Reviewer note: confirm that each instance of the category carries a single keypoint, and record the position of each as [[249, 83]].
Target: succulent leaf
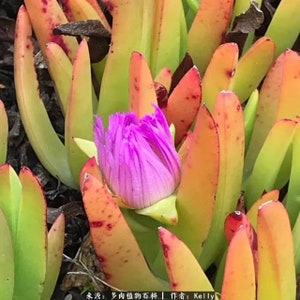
[[239, 275], [292, 202], [54, 255], [275, 253], [142, 94], [185, 274], [252, 212], [114, 87], [219, 72], [249, 116], [7, 264], [49, 15], [114, 243], [276, 166], [80, 107], [60, 68], [168, 44], [183, 103], [285, 20], [278, 99], [252, 67], [202, 162], [228, 116], [296, 239], [44, 140], [3, 133], [31, 237], [207, 31]]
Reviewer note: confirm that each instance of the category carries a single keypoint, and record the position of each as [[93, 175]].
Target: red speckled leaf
[[116, 247], [185, 273], [208, 30], [228, 115], [184, 103], [44, 16], [142, 94], [199, 177], [252, 68], [219, 73], [279, 98]]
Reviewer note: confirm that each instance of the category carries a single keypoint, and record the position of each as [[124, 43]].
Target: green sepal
[[163, 211]]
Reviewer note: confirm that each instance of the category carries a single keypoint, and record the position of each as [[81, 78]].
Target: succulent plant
[[30, 256], [234, 116]]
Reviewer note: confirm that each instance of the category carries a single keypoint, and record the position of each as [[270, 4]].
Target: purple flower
[[137, 157]]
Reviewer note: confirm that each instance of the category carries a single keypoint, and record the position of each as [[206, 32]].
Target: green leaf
[[79, 117], [114, 94], [273, 162], [285, 26], [249, 116], [88, 147], [54, 256], [3, 133], [296, 238], [252, 68], [60, 68], [10, 197], [44, 140], [292, 202], [168, 43], [30, 240], [6, 260]]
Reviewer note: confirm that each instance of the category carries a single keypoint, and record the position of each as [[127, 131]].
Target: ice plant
[[216, 165], [137, 157], [30, 255]]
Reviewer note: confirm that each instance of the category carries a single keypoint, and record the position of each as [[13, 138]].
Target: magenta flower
[[137, 157]]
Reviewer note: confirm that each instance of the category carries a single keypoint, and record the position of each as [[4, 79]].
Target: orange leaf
[[199, 177], [142, 94], [207, 31], [275, 253], [184, 103], [219, 73], [114, 243], [185, 273], [239, 275]]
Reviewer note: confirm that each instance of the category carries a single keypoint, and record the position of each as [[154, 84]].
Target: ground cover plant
[[179, 127]]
